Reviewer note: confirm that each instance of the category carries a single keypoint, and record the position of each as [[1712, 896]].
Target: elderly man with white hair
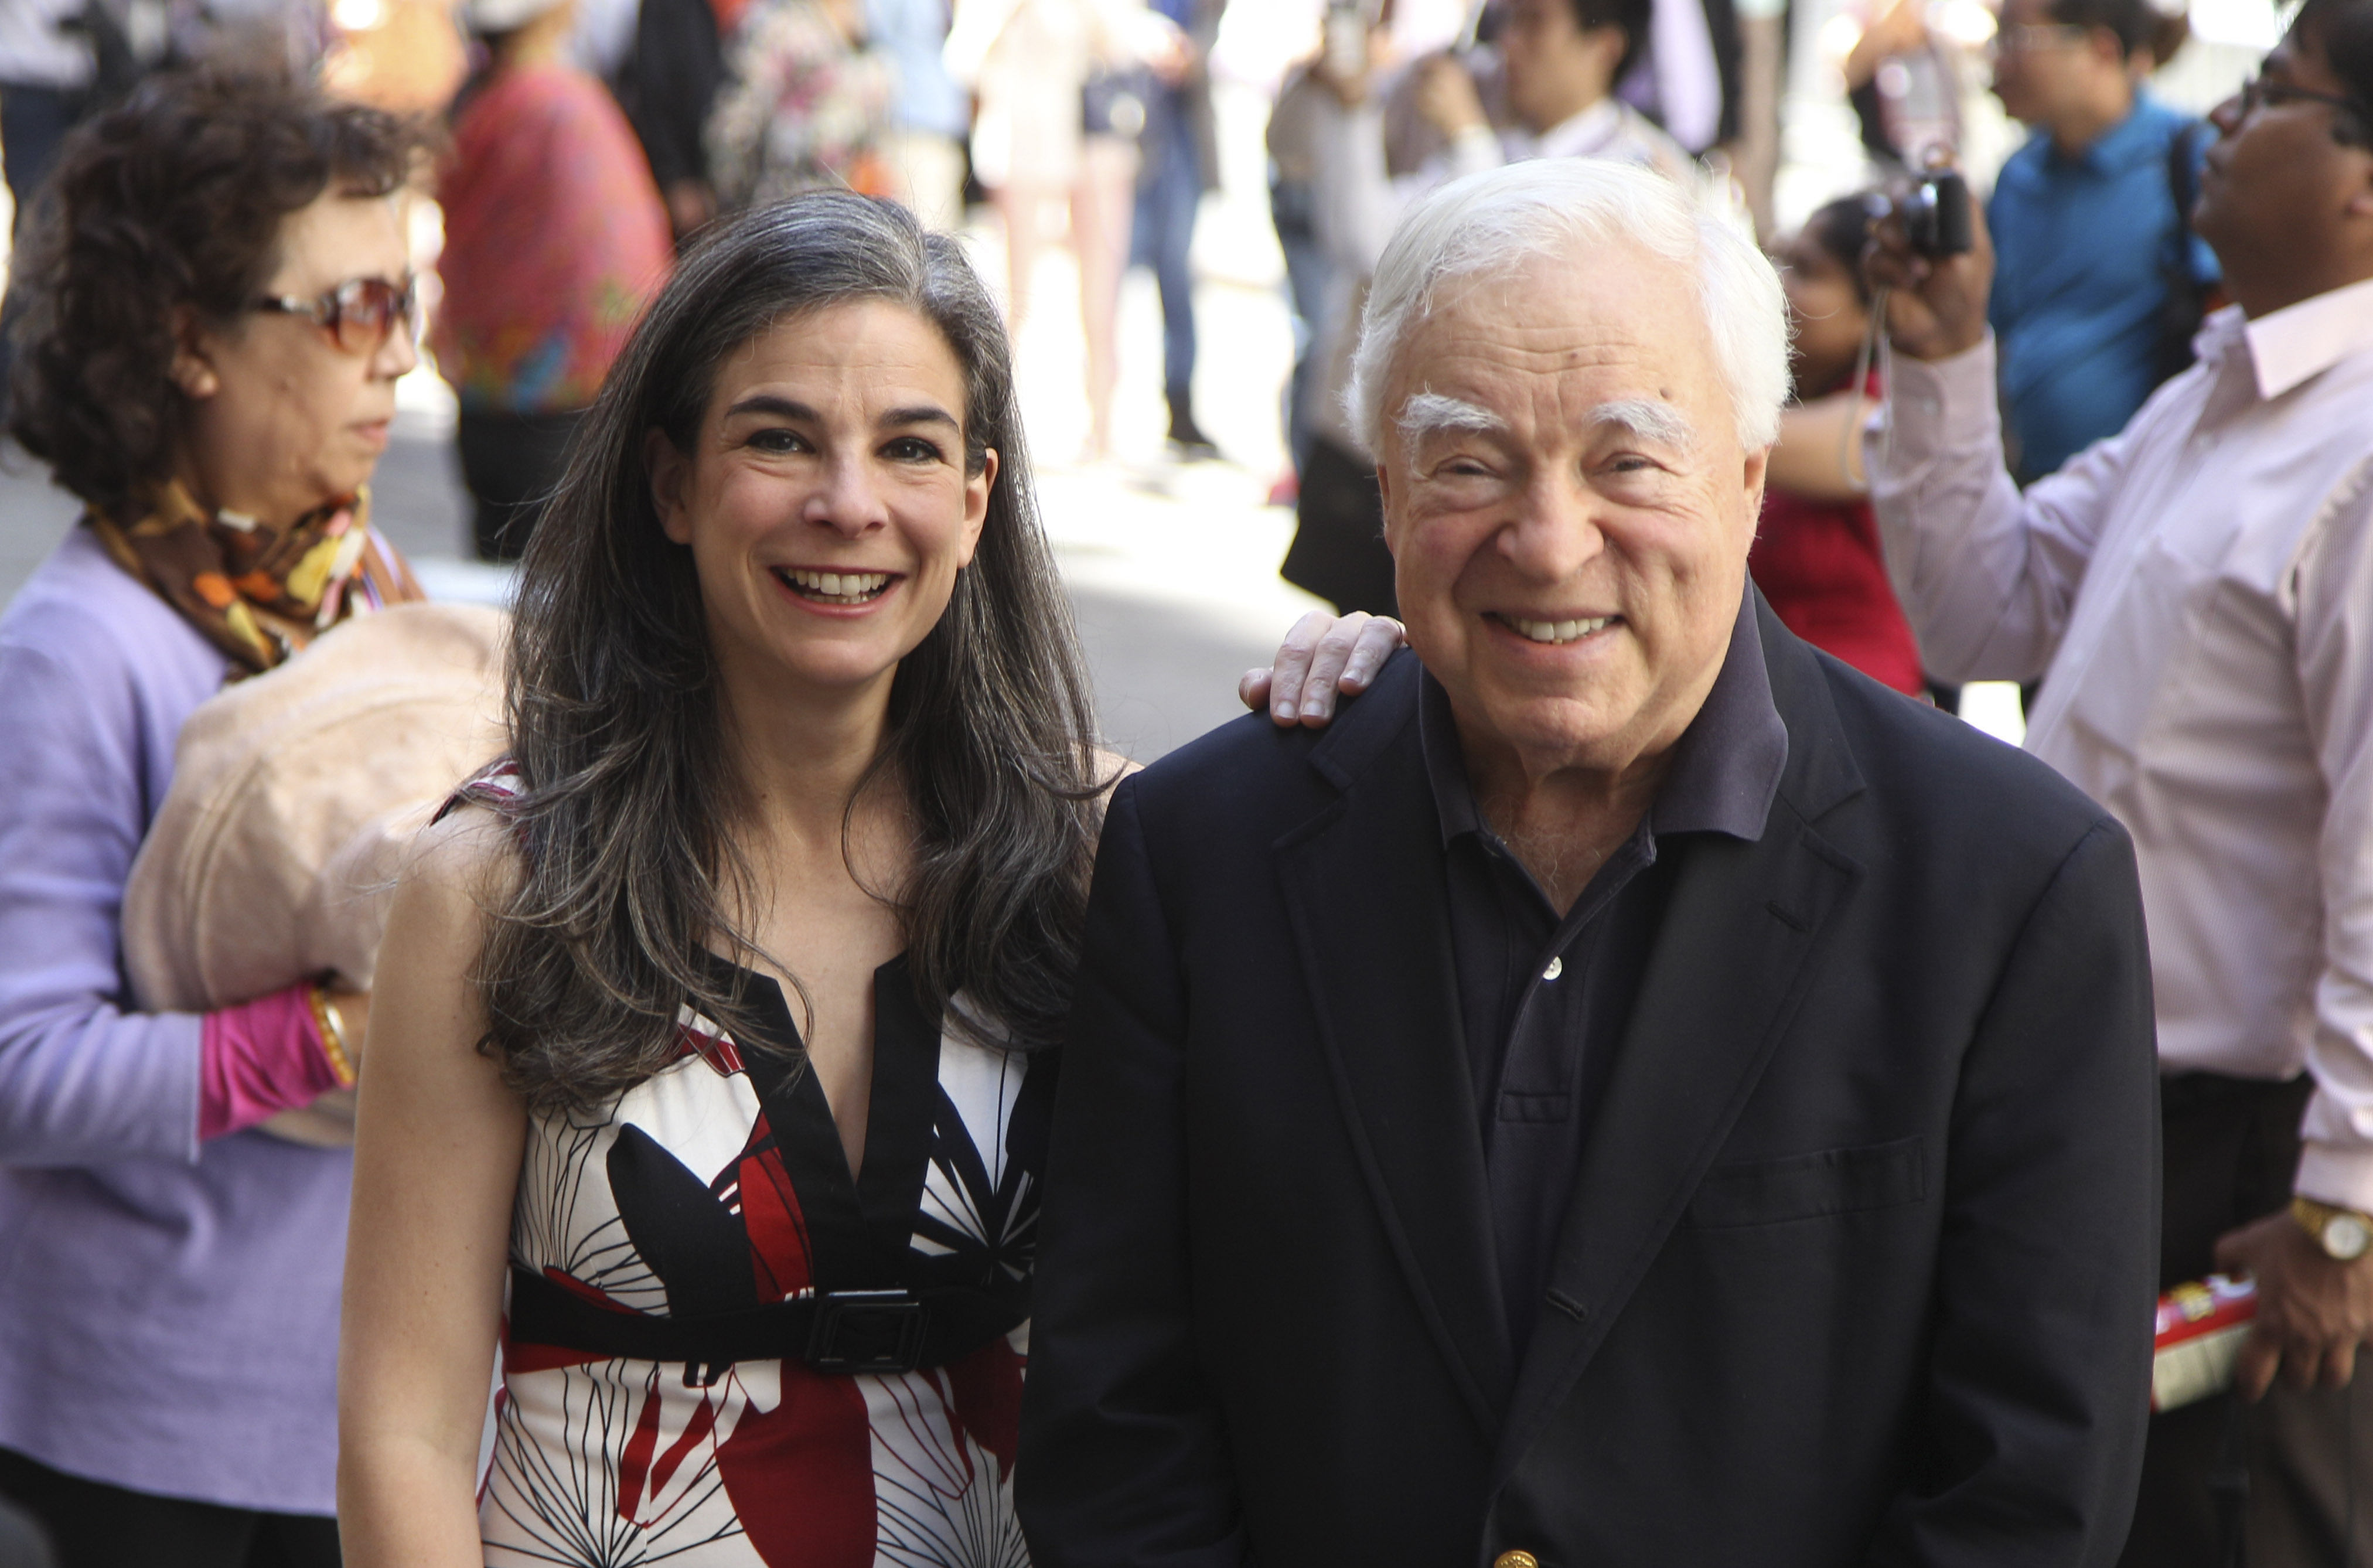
[[1634, 1089]]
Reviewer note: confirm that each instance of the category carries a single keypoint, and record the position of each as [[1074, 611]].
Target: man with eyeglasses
[[2197, 593], [2098, 279]]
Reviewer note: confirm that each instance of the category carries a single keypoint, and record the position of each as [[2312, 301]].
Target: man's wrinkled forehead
[[1585, 296], [1605, 343]]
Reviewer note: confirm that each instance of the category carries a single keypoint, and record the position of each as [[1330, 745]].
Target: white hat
[[503, 16], [294, 795]]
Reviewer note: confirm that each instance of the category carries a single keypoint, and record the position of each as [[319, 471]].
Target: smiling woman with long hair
[[711, 1072]]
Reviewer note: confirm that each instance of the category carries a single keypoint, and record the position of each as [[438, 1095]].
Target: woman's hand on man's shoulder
[[1323, 658]]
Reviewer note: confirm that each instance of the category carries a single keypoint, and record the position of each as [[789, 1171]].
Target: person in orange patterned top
[[555, 237]]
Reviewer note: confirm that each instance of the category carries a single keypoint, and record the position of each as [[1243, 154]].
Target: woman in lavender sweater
[[219, 308]]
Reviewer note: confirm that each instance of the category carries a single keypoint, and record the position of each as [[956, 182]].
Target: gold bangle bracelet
[[331, 1024]]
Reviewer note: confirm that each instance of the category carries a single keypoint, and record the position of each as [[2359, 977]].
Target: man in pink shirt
[[2196, 595]]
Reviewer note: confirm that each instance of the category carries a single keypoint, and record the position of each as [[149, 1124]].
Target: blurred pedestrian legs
[[46, 71], [1179, 152], [929, 116], [554, 235]]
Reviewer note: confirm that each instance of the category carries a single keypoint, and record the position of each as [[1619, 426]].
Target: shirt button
[[1515, 1560], [1557, 967]]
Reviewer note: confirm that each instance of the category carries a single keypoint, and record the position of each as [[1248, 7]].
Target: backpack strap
[[2185, 299]]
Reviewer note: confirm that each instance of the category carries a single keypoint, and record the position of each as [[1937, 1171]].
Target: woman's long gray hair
[[632, 879]]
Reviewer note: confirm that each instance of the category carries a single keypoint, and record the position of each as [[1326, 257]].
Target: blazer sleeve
[[2039, 1383], [1123, 1458]]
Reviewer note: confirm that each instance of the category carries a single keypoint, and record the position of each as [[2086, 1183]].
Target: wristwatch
[[2344, 1234]]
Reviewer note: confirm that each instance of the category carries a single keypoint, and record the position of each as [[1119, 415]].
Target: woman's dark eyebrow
[[766, 402], [785, 408]]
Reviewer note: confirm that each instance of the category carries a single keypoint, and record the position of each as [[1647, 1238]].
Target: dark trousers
[[1169, 192], [1338, 538], [34, 121], [23, 1543], [33, 125], [1292, 208], [512, 463], [2292, 1475], [92, 1525]]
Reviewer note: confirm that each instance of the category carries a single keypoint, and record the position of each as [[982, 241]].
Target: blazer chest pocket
[[1808, 1186]]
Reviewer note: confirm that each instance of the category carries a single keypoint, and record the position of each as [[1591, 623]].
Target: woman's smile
[[841, 590]]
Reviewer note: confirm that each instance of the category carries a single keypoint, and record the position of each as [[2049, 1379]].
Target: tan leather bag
[[295, 797]]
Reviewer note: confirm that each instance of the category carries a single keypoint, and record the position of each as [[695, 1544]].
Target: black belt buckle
[[866, 1332]]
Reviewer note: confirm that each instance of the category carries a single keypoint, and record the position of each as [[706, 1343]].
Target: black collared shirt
[[1544, 998]]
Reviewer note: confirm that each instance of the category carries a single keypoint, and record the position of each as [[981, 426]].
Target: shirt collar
[[1580, 135], [2300, 342], [1725, 768], [2130, 141]]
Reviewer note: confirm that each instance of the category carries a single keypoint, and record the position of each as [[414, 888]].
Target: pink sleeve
[[260, 1058]]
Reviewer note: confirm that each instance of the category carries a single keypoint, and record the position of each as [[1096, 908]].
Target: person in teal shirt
[[2099, 276]]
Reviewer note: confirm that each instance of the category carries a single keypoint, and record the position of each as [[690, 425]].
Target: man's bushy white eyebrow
[[1427, 412], [1651, 421]]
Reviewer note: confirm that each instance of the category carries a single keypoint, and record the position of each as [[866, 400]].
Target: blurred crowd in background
[[586, 141], [563, 156]]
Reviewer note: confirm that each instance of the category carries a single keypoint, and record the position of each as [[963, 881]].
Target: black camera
[[1935, 215]]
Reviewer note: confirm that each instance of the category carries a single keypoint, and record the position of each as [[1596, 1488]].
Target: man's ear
[[2360, 201], [192, 368], [1610, 42], [671, 472], [1385, 498]]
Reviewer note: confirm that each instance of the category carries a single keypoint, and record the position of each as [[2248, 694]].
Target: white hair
[[1495, 221]]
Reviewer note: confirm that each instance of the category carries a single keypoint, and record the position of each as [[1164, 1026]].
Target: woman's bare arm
[[1820, 454], [436, 1155]]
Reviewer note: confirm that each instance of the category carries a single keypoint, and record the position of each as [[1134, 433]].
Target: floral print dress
[[718, 1186]]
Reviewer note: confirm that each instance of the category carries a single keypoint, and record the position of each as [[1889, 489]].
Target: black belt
[[845, 1331], [2183, 1093]]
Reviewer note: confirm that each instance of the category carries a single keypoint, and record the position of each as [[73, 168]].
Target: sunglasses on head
[[359, 314]]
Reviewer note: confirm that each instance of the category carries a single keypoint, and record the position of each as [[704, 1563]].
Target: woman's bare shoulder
[[468, 857]]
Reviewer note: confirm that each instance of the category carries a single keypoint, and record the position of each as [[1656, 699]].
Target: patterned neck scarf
[[257, 592]]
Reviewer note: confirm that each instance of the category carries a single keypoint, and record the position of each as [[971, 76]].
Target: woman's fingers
[[1324, 657], [1292, 667], [1327, 663], [1378, 639]]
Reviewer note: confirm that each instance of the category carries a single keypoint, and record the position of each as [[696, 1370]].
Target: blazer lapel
[[1755, 915], [1363, 885]]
